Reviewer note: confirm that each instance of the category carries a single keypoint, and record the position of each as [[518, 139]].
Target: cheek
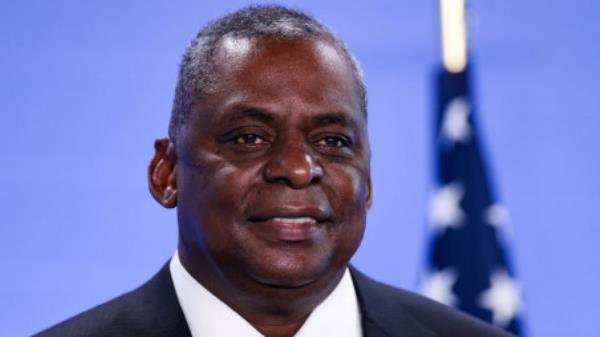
[[349, 186], [231, 186], [213, 196], [348, 192]]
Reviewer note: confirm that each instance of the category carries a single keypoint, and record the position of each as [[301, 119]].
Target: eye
[[249, 139], [332, 141]]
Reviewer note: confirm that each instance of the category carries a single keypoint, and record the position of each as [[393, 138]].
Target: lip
[[319, 213], [290, 223]]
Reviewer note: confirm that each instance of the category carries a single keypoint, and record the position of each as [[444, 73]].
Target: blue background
[[87, 86]]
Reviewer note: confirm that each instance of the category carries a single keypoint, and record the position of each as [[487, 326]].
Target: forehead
[[242, 50], [311, 70]]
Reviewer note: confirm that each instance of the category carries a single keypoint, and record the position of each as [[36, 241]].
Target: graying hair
[[197, 77]]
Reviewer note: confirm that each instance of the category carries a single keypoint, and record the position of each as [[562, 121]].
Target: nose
[[293, 166]]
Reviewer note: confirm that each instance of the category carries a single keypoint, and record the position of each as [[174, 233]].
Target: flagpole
[[454, 35]]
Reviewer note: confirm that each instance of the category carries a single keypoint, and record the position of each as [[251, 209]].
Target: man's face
[[273, 179]]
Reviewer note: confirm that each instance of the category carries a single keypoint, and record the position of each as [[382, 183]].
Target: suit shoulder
[[150, 310], [106, 319], [388, 303]]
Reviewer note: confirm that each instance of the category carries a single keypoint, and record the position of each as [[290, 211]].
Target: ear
[[162, 173], [369, 193]]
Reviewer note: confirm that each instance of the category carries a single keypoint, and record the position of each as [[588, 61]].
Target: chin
[[292, 272]]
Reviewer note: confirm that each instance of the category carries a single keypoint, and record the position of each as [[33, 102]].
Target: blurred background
[[86, 87]]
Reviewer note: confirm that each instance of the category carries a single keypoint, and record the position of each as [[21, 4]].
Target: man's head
[[268, 162]]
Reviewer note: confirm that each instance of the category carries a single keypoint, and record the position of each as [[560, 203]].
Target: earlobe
[[169, 198], [162, 173]]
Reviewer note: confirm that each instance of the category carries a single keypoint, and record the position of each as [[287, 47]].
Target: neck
[[273, 311], [281, 330]]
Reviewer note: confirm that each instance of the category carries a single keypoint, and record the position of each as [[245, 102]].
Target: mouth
[[290, 224]]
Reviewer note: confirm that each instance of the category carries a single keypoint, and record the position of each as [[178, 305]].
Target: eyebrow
[[324, 119], [333, 118], [255, 113]]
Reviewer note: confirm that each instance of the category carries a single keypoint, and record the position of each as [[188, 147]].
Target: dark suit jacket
[[153, 310]]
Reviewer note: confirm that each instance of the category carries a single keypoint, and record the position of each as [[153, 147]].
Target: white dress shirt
[[208, 316]]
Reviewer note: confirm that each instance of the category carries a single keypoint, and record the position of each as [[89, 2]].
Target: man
[[267, 162]]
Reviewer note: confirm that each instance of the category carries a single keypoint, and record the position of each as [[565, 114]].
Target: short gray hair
[[196, 71]]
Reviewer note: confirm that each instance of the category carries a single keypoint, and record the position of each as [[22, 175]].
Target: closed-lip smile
[[290, 224]]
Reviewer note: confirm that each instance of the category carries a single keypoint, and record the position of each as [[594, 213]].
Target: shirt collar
[[208, 316]]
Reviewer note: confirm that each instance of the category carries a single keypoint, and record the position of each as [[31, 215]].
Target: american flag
[[468, 265]]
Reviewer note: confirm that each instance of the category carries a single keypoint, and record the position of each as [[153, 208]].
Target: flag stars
[[455, 125], [496, 215], [444, 208], [503, 298], [438, 286]]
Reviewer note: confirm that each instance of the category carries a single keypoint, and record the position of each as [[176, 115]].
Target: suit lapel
[[382, 314], [162, 310]]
